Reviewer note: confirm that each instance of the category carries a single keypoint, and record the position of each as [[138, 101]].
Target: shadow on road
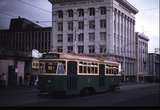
[[62, 96]]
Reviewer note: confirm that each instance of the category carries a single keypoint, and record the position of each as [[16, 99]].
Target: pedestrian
[[0, 80], [31, 81], [36, 82], [28, 77], [20, 80], [4, 80]]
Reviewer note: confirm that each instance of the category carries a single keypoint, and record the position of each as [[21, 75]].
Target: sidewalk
[[17, 90], [135, 83], [138, 85]]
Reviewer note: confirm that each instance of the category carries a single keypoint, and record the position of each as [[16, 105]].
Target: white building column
[[54, 30], [97, 30], [65, 30], [110, 31], [86, 28]]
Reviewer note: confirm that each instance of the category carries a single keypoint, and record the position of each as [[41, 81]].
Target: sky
[[147, 20]]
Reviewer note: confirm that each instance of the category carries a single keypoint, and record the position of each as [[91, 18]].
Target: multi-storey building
[[157, 50], [24, 36], [153, 66], [16, 45], [96, 27], [142, 52]]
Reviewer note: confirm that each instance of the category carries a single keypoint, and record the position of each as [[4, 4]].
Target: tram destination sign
[[50, 56]]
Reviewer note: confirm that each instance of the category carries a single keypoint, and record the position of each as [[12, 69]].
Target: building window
[[60, 26], [80, 25], [81, 37], [70, 37], [59, 49], [70, 13], [103, 23], [80, 49], [70, 25], [60, 38], [103, 10], [91, 37], [92, 11], [103, 36], [102, 49], [92, 24], [91, 48], [70, 49], [81, 12], [60, 14]]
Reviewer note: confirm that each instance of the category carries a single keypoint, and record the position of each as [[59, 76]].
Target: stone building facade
[[96, 28]]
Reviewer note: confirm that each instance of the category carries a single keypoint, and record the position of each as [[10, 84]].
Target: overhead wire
[[26, 3], [149, 9], [6, 14]]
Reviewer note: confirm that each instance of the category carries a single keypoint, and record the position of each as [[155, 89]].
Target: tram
[[73, 74]]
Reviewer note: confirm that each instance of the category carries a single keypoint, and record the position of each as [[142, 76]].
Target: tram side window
[[89, 69], [107, 70], [92, 70], [96, 70], [80, 69], [116, 71], [85, 69], [110, 71]]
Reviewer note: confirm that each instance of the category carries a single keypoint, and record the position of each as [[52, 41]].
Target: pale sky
[[147, 20]]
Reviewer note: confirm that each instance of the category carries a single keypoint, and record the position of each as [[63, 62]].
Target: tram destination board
[[50, 56]]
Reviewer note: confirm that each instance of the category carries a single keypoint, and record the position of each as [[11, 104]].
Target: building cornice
[[128, 5], [122, 2], [64, 1], [142, 36]]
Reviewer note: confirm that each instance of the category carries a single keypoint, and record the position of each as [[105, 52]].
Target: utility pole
[[124, 62]]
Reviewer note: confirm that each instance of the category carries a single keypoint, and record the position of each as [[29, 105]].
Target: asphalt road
[[128, 95]]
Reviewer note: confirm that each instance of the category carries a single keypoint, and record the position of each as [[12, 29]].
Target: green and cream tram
[[75, 74]]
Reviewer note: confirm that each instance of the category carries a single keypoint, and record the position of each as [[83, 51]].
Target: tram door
[[72, 75], [101, 75]]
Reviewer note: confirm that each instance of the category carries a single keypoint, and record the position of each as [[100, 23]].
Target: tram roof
[[74, 56]]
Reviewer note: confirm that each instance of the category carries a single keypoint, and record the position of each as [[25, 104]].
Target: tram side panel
[[52, 83]]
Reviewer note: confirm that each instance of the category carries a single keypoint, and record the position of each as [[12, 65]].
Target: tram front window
[[51, 67], [55, 67]]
